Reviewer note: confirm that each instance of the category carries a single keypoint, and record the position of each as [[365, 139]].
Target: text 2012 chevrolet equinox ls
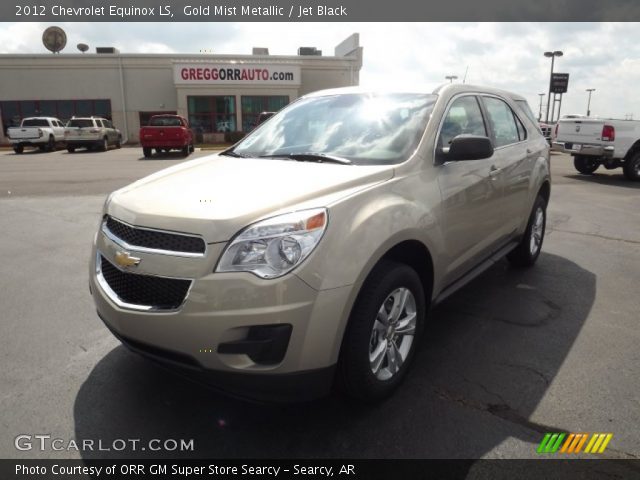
[[310, 252]]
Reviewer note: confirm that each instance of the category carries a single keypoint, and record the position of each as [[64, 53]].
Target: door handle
[[494, 171], [529, 151]]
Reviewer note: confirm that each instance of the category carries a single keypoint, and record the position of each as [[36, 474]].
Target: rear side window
[[107, 124], [80, 123], [524, 106], [502, 121], [464, 117], [35, 122]]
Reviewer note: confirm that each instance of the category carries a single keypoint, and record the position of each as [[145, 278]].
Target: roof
[[452, 88]]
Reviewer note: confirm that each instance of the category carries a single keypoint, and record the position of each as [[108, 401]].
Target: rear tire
[[71, 149], [18, 149], [383, 332], [186, 150], [105, 144], [631, 168], [528, 250], [146, 152], [585, 164], [51, 144]]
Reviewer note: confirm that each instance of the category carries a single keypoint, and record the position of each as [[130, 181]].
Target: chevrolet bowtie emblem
[[125, 260]]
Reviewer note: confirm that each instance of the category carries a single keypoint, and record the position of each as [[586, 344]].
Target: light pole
[[451, 78], [589, 101], [541, 95], [552, 55]]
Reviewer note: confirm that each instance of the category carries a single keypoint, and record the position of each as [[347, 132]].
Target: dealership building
[[217, 93]]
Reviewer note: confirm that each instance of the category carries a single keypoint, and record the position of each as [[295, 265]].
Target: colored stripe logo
[[574, 442]]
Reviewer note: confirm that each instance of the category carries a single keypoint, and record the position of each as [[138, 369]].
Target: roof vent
[[313, 51], [104, 50], [260, 51]]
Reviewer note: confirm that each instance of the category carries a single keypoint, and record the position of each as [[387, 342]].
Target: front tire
[[119, 142], [528, 250], [71, 149], [631, 168], [383, 332], [585, 164]]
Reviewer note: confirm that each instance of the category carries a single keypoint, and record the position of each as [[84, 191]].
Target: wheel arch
[[633, 151], [411, 252]]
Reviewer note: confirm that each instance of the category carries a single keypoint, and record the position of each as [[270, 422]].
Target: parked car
[[41, 132], [166, 133], [92, 133], [310, 252], [595, 141]]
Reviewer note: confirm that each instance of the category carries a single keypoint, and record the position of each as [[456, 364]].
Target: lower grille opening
[[145, 290]]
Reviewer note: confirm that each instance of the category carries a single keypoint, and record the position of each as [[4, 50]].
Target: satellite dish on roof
[[54, 39], [83, 47]]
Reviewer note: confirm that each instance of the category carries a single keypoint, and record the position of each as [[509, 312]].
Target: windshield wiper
[[231, 153], [311, 157]]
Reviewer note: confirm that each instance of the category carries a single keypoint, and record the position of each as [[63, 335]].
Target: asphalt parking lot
[[510, 357]]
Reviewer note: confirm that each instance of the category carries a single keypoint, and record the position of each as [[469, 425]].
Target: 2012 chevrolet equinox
[[310, 252]]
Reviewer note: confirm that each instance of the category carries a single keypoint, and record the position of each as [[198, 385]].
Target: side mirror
[[469, 147]]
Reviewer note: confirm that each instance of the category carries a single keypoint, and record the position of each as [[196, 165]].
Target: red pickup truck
[[165, 133]]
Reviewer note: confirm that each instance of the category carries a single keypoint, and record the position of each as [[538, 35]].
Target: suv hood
[[217, 196]]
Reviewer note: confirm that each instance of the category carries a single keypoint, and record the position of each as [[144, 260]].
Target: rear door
[[471, 193], [513, 159]]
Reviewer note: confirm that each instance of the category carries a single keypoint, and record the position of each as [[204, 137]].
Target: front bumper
[[585, 149], [222, 308]]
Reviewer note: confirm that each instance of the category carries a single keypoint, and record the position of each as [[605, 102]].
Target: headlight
[[275, 246]]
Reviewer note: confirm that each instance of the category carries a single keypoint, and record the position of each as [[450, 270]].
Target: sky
[[604, 56]]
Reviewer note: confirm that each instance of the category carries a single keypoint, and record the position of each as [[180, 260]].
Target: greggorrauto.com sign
[[236, 73]]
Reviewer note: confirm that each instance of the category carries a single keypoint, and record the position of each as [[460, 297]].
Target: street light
[[451, 78], [552, 55], [589, 101], [541, 95]]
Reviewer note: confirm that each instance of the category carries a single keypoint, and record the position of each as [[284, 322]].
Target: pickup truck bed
[[593, 142]]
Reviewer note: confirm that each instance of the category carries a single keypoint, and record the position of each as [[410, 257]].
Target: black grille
[[161, 293], [140, 237]]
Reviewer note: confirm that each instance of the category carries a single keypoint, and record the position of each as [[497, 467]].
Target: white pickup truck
[[595, 141], [41, 132]]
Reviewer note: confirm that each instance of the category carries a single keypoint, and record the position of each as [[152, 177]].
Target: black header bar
[[317, 11]]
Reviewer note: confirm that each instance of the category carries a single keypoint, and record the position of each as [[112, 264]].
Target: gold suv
[[309, 253]]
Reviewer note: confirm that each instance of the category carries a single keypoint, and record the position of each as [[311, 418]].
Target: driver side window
[[464, 117]]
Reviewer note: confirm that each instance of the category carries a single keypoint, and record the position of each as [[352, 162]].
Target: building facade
[[217, 93]]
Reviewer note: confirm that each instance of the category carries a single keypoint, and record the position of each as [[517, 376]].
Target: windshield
[[363, 128]]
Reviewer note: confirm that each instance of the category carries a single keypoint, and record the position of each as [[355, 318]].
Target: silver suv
[[92, 133], [311, 251]]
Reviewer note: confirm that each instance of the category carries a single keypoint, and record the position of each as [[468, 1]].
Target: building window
[[146, 116], [252, 106], [212, 114], [14, 111]]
